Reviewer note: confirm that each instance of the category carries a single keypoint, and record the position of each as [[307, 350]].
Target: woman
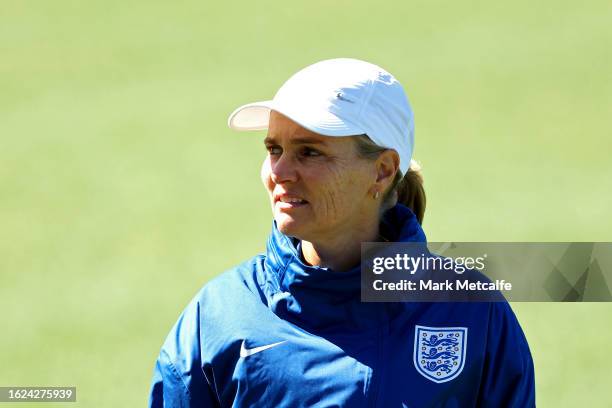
[[287, 328]]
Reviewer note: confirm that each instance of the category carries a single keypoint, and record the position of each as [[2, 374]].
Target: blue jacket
[[274, 332]]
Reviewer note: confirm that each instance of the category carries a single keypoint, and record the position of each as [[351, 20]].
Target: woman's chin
[[289, 225]]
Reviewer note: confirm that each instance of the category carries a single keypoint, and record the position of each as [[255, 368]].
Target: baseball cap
[[340, 97]]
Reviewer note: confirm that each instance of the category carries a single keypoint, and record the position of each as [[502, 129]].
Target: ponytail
[[406, 189], [410, 190]]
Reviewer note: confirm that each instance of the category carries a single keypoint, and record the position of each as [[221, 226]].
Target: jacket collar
[[319, 298]]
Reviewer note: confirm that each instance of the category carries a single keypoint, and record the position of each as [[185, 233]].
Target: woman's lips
[[286, 206], [289, 202]]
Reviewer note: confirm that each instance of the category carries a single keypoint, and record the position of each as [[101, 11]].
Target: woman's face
[[319, 188]]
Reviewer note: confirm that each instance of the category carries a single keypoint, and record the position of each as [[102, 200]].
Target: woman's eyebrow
[[298, 140], [307, 140]]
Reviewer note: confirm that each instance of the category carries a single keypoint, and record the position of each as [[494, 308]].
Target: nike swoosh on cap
[[245, 352]]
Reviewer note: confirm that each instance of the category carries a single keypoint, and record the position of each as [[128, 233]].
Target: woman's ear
[[387, 165]]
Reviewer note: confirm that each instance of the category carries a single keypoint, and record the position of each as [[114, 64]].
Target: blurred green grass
[[122, 191]]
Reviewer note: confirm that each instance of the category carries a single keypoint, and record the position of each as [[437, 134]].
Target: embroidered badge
[[439, 352]]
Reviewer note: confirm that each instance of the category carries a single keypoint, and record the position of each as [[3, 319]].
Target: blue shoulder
[[247, 278], [180, 375]]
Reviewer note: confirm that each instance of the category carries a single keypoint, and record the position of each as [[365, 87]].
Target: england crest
[[439, 352]]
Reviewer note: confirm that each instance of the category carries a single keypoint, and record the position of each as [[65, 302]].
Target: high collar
[[318, 298]]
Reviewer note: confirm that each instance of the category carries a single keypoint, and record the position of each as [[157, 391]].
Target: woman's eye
[[308, 152], [274, 150]]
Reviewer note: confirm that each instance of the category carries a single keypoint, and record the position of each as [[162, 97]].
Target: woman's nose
[[283, 170]]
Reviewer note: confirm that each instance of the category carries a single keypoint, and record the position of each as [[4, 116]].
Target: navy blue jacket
[[274, 332]]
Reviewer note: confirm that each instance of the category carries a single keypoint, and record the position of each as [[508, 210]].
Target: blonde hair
[[405, 189]]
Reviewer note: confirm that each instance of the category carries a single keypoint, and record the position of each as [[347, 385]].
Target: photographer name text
[[447, 285]]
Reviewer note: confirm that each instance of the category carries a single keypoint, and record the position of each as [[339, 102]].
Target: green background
[[122, 191]]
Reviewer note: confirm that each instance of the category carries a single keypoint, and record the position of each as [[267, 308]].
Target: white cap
[[340, 97]]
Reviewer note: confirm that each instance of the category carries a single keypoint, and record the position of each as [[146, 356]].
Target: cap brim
[[255, 116], [252, 116]]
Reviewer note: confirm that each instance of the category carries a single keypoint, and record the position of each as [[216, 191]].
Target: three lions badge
[[439, 352]]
